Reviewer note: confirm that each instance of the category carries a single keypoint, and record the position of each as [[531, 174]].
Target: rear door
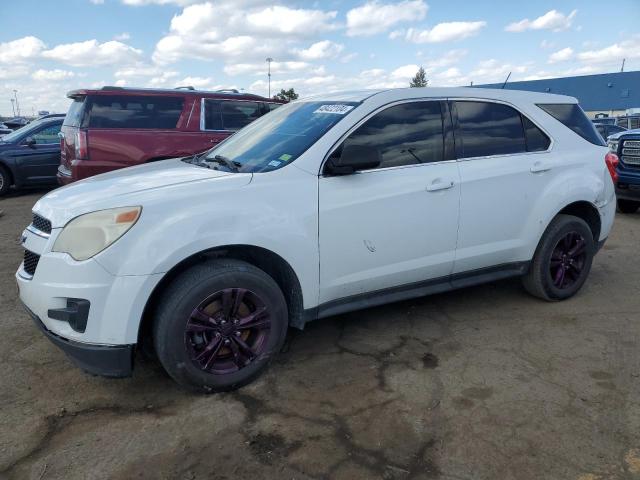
[[504, 164], [396, 224]]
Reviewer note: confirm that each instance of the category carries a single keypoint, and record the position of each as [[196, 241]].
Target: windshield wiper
[[222, 160]]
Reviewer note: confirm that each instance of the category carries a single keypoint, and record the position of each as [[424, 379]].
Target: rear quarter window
[[572, 117], [147, 112], [75, 113]]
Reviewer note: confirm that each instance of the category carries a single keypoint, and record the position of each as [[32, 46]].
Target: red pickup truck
[[115, 127]]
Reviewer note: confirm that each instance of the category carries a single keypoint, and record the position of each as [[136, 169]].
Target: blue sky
[[50, 47]]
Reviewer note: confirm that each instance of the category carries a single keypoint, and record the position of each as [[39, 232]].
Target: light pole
[[13, 106], [269, 60], [15, 95]]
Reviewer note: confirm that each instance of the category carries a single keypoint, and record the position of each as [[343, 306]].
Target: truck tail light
[[612, 161], [82, 145]]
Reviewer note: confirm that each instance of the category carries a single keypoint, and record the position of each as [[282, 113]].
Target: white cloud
[[552, 20], [122, 36], [613, 54], [21, 50], [52, 75], [561, 55], [93, 53], [320, 50], [445, 32], [445, 59], [140, 3], [547, 44], [374, 17], [277, 68], [246, 34], [16, 71], [97, 2]]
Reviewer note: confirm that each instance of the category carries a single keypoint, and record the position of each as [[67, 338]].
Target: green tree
[[420, 80], [286, 95]]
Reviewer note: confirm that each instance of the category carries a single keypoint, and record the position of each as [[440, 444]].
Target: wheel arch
[[271, 263], [588, 212], [4, 164]]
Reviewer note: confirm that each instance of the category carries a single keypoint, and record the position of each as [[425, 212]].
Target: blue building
[[612, 94]]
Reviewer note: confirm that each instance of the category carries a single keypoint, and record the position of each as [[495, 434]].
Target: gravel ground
[[481, 383]]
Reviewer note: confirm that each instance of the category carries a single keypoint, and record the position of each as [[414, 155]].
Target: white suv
[[326, 205]]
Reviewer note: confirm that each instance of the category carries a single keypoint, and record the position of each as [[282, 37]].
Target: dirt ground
[[481, 383]]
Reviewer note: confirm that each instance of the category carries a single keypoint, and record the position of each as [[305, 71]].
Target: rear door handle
[[540, 167], [439, 185]]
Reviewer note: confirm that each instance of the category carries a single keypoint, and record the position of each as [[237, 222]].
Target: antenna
[[622, 68], [506, 80]]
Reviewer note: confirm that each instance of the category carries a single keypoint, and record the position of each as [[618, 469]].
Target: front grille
[[41, 223], [631, 144], [633, 162], [30, 262]]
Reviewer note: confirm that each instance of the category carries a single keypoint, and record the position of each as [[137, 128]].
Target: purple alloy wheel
[[227, 331], [568, 260]]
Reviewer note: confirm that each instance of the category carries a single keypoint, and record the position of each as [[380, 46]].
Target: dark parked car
[[31, 154], [606, 129], [626, 145], [4, 130], [116, 127]]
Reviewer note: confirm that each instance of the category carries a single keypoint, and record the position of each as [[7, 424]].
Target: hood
[[133, 186], [616, 136]]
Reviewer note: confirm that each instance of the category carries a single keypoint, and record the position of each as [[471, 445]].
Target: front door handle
[[437, 185], [540, 167]]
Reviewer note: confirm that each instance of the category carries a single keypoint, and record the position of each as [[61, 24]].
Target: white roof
[[442, 92]]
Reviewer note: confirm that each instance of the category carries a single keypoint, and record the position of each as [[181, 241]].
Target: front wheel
[[219, 324], [562, 260], [628, 206]]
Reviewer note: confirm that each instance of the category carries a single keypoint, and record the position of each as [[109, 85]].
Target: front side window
[[47, 135], [405, 134], [489, 129], [133, 111]]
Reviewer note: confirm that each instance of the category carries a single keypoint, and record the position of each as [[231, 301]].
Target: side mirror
[[30, 141], [352, 159]]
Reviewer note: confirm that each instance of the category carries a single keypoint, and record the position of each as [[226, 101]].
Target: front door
[[38, 162], [395, 224]]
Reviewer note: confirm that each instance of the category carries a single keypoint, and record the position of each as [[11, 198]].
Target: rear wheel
[[562, 260], [219, 325], [628, 206], [5, 180]]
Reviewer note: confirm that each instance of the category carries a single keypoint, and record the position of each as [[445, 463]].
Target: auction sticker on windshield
[[337, 109]]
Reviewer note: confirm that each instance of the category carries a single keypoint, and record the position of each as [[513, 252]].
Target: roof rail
[[112, 87], [228, 90], [186, 87]]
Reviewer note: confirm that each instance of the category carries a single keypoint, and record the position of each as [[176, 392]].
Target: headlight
[[89, 234], [613, 146]]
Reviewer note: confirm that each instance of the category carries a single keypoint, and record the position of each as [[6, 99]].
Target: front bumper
[[628, 191], [104, 360]]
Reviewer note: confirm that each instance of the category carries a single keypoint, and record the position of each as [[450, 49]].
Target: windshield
[[280, 137], [21, 132]]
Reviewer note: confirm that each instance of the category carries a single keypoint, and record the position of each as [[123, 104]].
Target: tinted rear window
[[537, 140], [572, 117], [490, 129], [111, 111], [75, 113]]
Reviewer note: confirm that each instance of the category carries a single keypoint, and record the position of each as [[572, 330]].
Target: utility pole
[[15, 95], [13, 106], [269, 60]]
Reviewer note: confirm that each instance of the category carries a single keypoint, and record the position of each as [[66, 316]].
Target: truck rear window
[[572, 117], [113, 111]]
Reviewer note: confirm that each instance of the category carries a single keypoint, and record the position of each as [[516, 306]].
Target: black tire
[[628, 206], [5, 180], [185, 294], [539, 281]]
